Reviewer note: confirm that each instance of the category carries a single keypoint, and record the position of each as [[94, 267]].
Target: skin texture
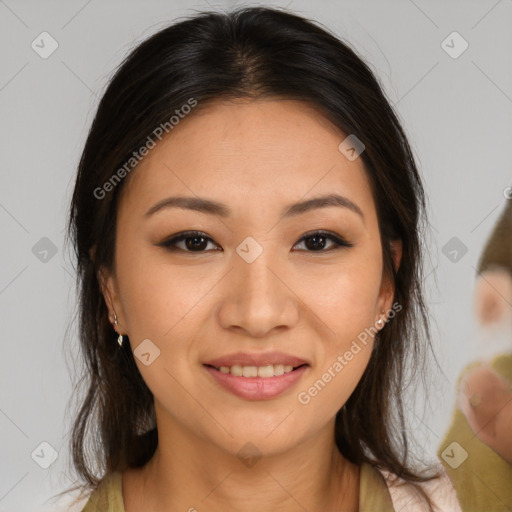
[[256, 157]]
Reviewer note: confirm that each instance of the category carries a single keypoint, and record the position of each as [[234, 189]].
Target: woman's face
[[250, 292]]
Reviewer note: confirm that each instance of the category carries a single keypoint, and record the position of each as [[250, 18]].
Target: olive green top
[[373, 493]]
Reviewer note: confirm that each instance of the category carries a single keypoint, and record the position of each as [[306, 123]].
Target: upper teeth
[[256, 371]]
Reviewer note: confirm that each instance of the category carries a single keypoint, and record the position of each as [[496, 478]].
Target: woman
[[246, 219]]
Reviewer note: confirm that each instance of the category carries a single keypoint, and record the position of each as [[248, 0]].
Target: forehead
[[261, 151]]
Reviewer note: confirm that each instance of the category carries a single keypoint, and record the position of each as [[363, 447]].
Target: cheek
[[157, 297], [333, 380], [166, 304], [160, 303], [344, 300], [344, 296]]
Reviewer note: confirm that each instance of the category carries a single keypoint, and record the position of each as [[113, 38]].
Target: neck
[[194, 474]]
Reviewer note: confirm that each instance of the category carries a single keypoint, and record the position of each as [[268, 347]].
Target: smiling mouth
[[264, 372]]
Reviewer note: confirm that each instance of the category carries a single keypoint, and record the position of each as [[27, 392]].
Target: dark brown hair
[[247, 53]]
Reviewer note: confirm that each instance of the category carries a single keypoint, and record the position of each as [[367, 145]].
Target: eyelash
[[338, 241]]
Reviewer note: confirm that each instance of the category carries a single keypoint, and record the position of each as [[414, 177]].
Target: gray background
[[457, 113]]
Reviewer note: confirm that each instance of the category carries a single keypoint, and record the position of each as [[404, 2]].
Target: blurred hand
[[486, 401]]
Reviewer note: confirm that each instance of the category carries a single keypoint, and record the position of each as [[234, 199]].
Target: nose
[[258, 297]]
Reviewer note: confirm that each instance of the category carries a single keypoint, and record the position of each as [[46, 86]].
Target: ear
[[387, 288], [110, 291]]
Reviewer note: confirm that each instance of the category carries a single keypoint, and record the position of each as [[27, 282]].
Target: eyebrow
[[211, 207]]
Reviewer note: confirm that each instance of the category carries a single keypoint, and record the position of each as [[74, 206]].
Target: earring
[[380, 321], [120, 337]]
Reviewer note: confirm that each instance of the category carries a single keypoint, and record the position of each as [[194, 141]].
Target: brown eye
[[193, 241], [317, 241]]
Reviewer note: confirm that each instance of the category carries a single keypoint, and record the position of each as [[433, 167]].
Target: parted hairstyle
[[249, 53]]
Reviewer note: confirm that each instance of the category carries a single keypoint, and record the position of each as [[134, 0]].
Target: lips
[[257, 388], [261, 359], [257, 376]]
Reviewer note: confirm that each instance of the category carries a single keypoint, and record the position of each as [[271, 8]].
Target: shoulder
[[405, 496], [108, 497]]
